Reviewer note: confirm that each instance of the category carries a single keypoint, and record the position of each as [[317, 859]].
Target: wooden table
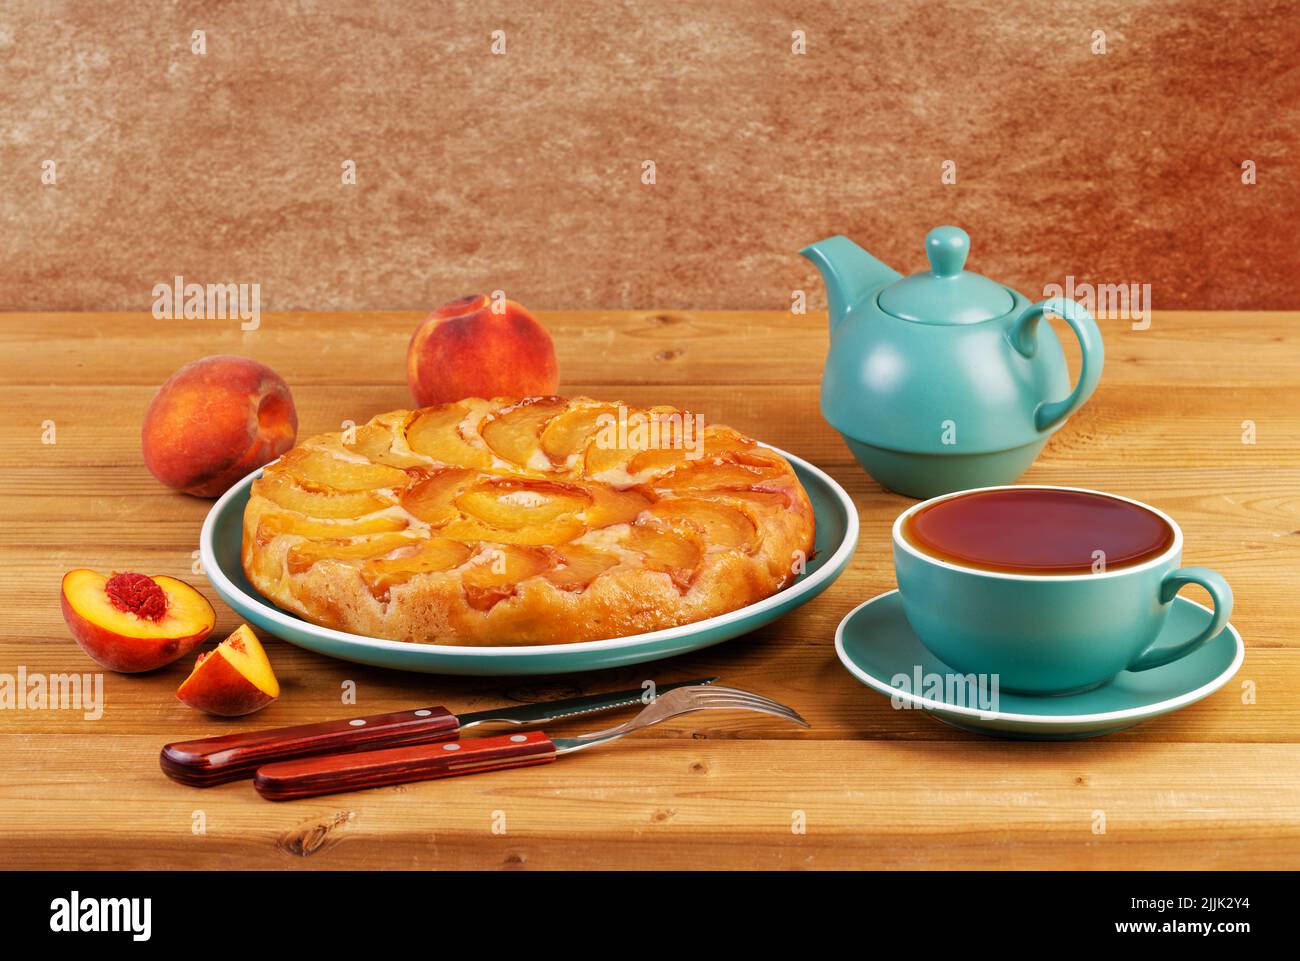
[[1216, 785]]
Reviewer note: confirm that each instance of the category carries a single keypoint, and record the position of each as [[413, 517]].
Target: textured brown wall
[[522, 171]]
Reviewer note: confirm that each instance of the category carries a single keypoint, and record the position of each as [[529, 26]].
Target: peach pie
[[534, 521]]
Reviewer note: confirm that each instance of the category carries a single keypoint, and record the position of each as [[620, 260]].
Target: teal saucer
[[878, 647]]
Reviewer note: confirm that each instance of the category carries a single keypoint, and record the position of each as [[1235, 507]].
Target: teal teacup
[[1046, 633]]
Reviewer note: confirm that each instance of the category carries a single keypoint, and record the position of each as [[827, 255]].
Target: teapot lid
[[946, 294]]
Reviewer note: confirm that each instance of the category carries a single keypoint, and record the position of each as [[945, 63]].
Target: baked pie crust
[[515, 522]]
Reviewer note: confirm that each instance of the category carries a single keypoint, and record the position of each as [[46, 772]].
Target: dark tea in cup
[[1039, 530]]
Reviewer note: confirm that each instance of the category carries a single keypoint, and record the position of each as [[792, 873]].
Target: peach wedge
[[232, 680]]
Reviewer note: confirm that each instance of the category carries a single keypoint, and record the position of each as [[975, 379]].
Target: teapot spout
[[849, 273]]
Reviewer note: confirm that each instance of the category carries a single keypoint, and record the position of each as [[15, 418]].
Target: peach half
[[214, 421], [132, 622], [475, 347], [232, 680]]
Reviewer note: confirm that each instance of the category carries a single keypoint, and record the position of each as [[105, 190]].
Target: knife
[[230, 757], [357, 770]]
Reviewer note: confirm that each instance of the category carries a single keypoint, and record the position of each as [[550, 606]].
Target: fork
[[330, 774]]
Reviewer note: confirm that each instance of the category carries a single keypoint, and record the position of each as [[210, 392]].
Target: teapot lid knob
[[947, 248], [946, 293]]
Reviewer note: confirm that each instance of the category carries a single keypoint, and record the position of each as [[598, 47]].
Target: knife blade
[[229, 757], [543, 712]]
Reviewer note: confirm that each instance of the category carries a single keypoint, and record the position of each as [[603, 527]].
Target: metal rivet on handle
[[357, 723], [517, 738], [422, 713], [453, 746]]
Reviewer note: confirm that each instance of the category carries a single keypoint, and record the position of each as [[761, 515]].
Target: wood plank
[[102, 803], [1172, 427], [1180, 348]]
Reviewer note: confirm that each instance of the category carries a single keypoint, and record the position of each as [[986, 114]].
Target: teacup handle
[[1024, 337], [1175, 581]]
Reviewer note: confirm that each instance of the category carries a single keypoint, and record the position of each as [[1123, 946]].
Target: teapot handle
[[1024, 337]]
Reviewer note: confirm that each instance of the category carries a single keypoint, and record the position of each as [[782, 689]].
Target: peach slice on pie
[[758, 497], [303, 555], [611, 505], [436, 433], [368, 441], [271, 526], [570, 432], [514, 434], [232, 680], [726, 471], [515, 503], [604, 456], [718, 440], [433, 555], [577, 565], [376, 445], [432, 498], [318, 501], [559, 531], [614, 452], [725, 526], [766, 461], [318, 467], [674, 553], [496, 574]]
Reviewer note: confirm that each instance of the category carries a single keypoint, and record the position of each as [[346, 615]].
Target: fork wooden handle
[[333, 773], [228, 757]]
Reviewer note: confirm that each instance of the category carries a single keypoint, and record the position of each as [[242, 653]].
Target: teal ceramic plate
[[219, 544], [878, 647]]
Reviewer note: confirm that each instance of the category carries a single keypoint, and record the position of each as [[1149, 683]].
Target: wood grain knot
[[663, 815], [667, 356], [515, 861], [316, 835], [698, 767], [668, 320]]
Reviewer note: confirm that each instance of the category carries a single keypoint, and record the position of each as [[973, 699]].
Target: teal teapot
[[944, 380]]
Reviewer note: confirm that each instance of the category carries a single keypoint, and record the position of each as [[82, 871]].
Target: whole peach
[[215, 420], [466, 349]]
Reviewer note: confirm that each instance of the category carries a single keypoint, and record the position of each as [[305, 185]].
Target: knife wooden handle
[[229, 757], [331, 774]]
